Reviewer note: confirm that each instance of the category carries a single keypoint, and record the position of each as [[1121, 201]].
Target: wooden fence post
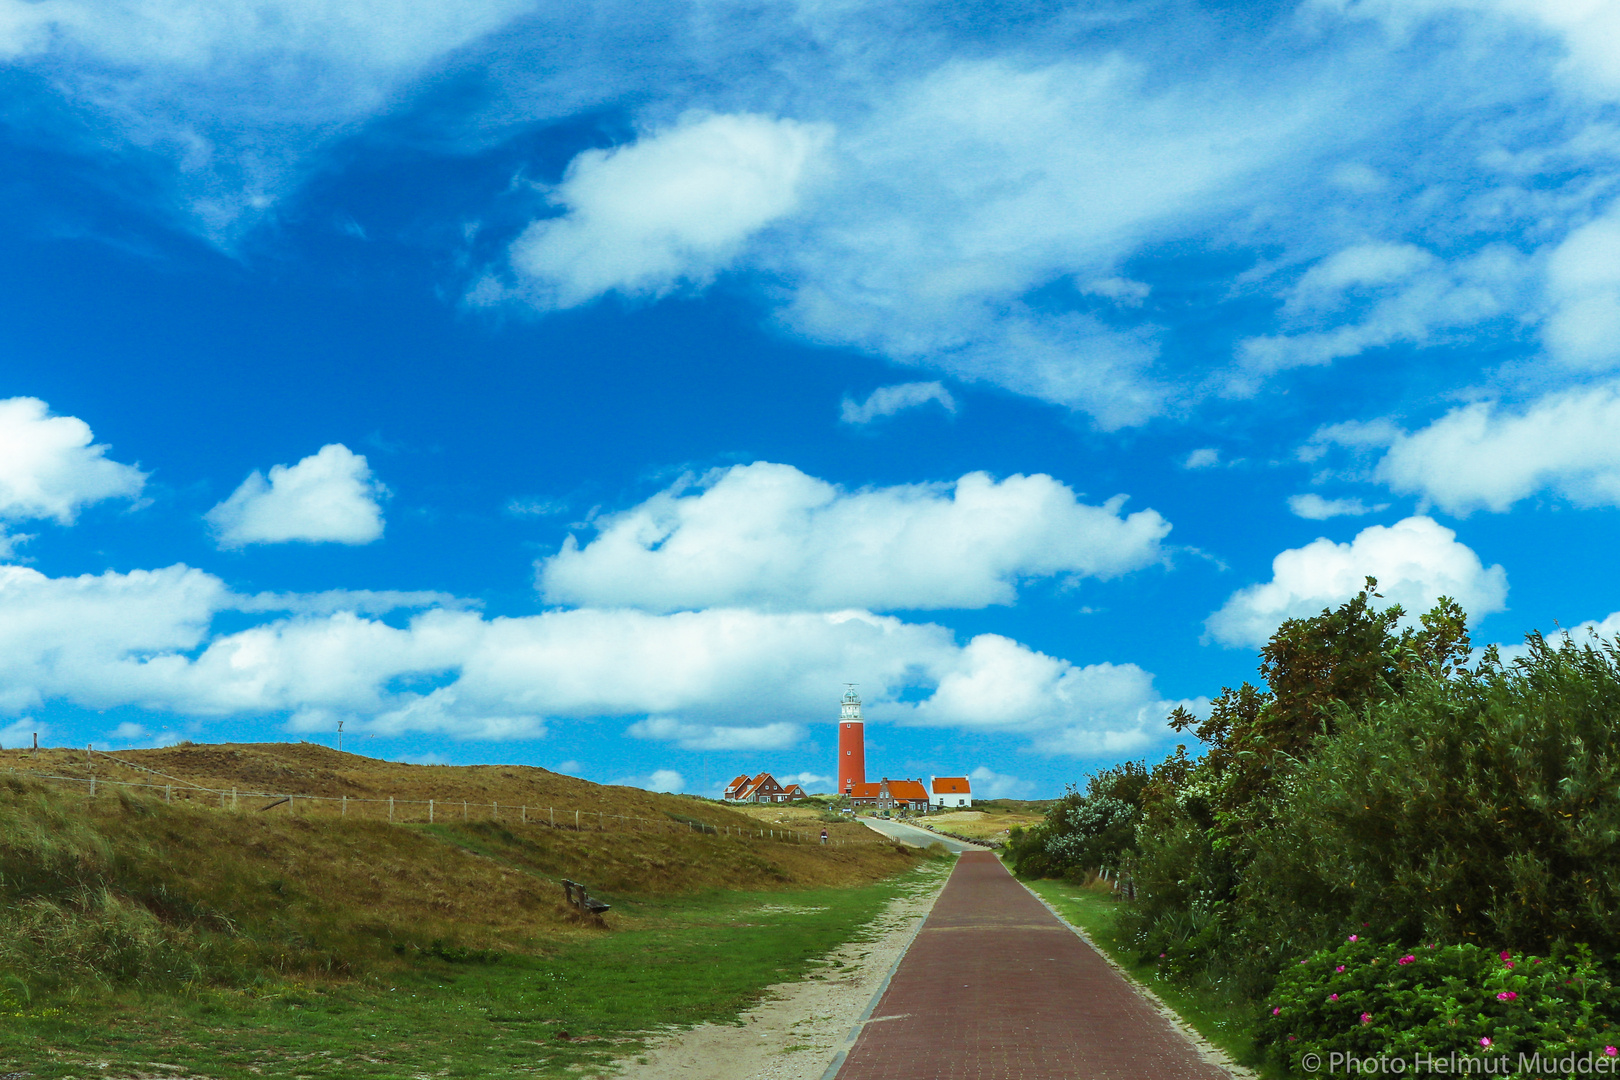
[[495, 811], [390, 809], [168, 793], [344, 812], [553, 812], [463, 809], [430, 811], [524, 814], [576, 820]]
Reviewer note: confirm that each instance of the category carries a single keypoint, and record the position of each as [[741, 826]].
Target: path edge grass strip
[[1202, 1041], [883, 987]]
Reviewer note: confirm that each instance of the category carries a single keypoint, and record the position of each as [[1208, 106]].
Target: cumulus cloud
[[692, 735], [1313, 507], [888, 400], [1416, 561], [328, 496], [51, 468], [808, 780], [1583, 289], [100, 640], [1607, 628], [675, 206], [19, 734], [989, 784], [768, 535], [1206, 457], [712, 679], [1484, 456]]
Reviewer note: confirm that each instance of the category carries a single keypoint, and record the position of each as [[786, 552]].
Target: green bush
[[1365, 1000], [1484, 807]]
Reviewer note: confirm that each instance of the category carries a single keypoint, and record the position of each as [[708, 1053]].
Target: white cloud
[[100, 640], [665, 780], [235, 93], [1583, 289], [1206, 457], [1313, 507], [328, 496], [50, 468], [888, 400], [1376, 295], [1587, 30], [808, 780], [1482, 456], [19, 734], [768, 535], [360, 601], [674, 207], [695, 735], [718, 678], [989, 784], [962, 189], [1416, 561]]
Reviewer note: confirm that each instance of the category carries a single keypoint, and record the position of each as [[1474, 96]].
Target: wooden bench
[[578, 897]]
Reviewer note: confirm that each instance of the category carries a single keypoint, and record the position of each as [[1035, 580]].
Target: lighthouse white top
[[851, 712]]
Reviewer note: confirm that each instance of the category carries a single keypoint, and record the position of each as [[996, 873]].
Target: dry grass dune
[[321, 876]]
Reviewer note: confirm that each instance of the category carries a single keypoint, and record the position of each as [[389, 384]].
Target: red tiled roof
[[907, 790], [952, 785], [863, 791]]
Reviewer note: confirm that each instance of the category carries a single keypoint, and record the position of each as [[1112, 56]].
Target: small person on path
[[823, 836]]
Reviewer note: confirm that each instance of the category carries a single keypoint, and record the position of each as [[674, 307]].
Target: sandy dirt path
[[799, 1028]]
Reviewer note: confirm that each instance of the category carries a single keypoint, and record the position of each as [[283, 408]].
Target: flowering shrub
[[1364, 999]]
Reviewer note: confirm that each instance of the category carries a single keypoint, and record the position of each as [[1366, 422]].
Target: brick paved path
[[996, 988]]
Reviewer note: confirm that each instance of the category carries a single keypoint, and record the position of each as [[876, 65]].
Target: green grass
[[1219, 1018], [679, 961]]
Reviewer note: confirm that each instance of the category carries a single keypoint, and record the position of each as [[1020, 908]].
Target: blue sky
[[603, 388]]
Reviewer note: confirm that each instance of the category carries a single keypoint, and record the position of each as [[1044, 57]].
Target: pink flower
[[1352, 937], [1610, 1051], [1161, 956], [1484, 1040], [1407, 959], [1506, 995], [1333, 997], [1506, 955], [1366, 1018], [1339, 968], [1277, 1010], [1291, 1038], [1507, 963]]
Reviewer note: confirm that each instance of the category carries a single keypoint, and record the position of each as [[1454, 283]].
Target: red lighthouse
[[851, 744]]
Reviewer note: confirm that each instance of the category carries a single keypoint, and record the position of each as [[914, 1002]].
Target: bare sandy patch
[[799, 1028]]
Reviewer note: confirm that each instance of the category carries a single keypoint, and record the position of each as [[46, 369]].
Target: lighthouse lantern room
[[851, 743]]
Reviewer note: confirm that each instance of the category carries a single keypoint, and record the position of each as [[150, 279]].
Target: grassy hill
[[141, 897]]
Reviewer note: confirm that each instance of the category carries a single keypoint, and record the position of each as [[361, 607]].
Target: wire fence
[[430, 811]]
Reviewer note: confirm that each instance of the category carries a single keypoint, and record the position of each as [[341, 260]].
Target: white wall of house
[[948, 800]]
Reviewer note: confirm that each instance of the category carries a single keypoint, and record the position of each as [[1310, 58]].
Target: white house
[[950, 792]]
